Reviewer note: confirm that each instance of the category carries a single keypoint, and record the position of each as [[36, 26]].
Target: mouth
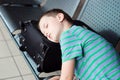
[[49, 36]]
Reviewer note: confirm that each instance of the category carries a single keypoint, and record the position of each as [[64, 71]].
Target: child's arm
[[67, 72]]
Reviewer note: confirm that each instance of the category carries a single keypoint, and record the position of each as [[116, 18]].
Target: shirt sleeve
[[70, 47]]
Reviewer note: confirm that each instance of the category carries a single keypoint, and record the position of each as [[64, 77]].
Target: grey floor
[[12, 64]]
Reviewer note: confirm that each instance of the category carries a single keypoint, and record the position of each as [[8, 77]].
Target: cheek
[[57, 33], [42, 31]]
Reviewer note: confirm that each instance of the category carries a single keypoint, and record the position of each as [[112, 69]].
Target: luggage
[[46, 54]]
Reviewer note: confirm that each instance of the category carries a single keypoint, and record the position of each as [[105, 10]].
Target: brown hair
[[54, 12]]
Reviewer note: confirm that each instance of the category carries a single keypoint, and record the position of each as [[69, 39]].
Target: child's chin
[[55, 41]]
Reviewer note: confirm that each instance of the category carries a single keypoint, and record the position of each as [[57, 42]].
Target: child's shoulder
[[74, 27]]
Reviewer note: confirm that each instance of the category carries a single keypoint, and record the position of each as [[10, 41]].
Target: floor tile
[[4, 49], [13, 48], [8, 68], [1, 36], [29, 77], [22, 65], [4, 30], [15, 78]]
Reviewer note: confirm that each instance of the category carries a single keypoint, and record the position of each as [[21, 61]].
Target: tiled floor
[[12, 63]]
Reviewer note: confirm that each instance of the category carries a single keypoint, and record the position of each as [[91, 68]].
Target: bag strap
[[82, 24], [118, 46]]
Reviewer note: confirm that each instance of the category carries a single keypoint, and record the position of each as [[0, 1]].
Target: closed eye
[[46, 26]]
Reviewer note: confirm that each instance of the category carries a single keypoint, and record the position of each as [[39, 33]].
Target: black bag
[[46, 54]]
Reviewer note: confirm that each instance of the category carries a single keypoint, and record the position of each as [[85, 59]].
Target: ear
[[60, 17]]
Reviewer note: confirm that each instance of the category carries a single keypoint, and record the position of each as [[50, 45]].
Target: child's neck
[[67, 25]]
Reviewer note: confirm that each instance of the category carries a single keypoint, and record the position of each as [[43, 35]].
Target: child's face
[[51, 27]]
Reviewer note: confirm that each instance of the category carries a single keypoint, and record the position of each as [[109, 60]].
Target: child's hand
[[55, 78]]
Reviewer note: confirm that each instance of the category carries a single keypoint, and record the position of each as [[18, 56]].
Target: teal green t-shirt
[[95, 58]]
